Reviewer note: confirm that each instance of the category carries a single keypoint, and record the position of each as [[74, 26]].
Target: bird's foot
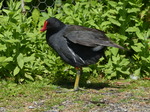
[[70, 90], [78, 89]]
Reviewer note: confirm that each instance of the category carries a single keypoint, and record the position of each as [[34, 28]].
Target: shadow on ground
[[97, 85]]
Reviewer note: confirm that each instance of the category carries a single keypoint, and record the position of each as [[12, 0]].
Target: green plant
[[25, 55], [127, 23], [19, 45]]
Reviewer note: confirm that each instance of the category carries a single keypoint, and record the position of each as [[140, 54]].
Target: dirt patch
[[106, 100]]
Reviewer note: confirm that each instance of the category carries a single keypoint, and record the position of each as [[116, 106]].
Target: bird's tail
[[112, 44], [118, 46]]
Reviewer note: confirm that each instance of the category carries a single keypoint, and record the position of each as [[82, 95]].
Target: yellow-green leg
[[76, 84]]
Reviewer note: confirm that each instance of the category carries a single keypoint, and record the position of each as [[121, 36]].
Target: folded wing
[[88, 37]]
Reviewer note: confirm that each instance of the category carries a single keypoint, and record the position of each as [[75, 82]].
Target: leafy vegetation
[[24, 54]]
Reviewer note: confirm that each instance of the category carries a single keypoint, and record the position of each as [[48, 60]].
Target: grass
[[41, 96]]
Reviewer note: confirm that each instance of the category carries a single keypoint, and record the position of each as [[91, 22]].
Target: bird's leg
[[76, 84]]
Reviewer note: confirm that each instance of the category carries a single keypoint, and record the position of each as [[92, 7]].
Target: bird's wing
[[88, 37]]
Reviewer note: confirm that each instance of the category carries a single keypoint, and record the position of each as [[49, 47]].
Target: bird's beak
[[44, 28]]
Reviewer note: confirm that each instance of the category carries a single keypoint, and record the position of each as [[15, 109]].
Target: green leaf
[[5, 59], [114, 51], [123, 37], [12, 41], [20, 60], [2, 58], [124, 62], [92, 23], [87, 69], [39, 77], [133, 10], [113, 74], [35, 15], [21, 79], [132, 29], [69, 20], [16, 71], [147, 59], [1, 4], [105, 23], [112, 3], [76, 6], [29, 77], [17, 5], [8, 59], [137, 72], [27, 0], [27, 7], [122, 71], [1, 36], [6, 11], [114, 21], [140, 35], [77, 20], [108, 71], [67, 10], [30, 58], [115, 59], [3, 47], [137, 49], [112, 12]]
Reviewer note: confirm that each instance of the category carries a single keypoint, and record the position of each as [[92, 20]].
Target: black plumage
[[77, 45]]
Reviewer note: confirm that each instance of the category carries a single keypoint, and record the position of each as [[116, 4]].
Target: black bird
[[77, 45]]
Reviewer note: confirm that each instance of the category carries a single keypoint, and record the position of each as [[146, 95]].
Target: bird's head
[[52, 24]]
